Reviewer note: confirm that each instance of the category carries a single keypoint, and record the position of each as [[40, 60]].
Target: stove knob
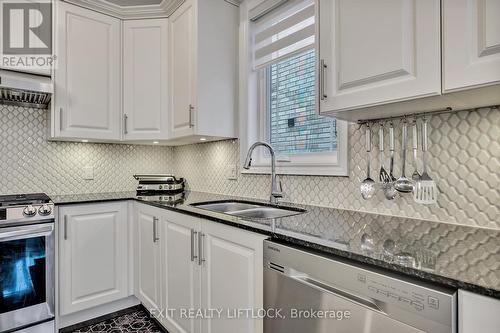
[[160, 187], [29, 211], [45, 210]]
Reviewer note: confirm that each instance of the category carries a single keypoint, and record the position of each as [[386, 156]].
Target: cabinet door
[[145, 98], [182, 70], [181, 271], [477, 313], [87, 77], [92, 255], [377, 52], [471, 43], [232, 277], [147, 264]]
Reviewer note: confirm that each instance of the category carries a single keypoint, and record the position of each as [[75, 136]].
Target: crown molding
[[164, 9]]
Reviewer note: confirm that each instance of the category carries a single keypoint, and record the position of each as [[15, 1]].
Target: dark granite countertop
[[446, 254]]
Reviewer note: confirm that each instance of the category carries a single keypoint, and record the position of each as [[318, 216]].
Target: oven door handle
[[15, 233]]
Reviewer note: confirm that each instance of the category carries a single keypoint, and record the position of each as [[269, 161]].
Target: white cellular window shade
[[282, 32]]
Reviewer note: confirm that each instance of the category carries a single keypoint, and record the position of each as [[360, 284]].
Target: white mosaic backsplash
[[464, 149], [464, 160], [29, 163]]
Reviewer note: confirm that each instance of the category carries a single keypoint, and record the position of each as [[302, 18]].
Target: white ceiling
[[134, 9], [127, 3]]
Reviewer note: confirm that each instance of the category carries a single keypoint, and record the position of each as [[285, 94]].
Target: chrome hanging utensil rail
[[420, 115]]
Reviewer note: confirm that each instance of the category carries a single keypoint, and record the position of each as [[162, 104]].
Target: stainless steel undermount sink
[[248, 209]]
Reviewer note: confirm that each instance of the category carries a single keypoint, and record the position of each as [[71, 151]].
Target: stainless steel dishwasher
[[353, 299]]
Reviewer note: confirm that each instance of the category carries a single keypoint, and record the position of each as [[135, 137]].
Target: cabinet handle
[[193, 245], [191, 109], [201, 258], [61, 118], [125, 121], [322, 69], [65, 227], [155, 230]]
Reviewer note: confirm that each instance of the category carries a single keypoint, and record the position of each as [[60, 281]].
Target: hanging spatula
[[425, 190]]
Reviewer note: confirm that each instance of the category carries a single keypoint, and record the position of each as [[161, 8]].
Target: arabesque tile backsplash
[[464, 157], [464, 160], [29, 163]]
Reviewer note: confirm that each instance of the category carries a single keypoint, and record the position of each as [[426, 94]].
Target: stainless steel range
[[27, 288]]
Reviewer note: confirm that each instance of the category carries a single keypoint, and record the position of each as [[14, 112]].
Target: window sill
[[311, 170]]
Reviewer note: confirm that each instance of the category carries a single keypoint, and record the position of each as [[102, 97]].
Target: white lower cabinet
[[147, 273], [93, 257], [477, 313], [181, 271], [204, 265], [232, 277]]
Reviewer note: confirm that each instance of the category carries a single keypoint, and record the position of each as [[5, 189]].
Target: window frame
[[253, 124]]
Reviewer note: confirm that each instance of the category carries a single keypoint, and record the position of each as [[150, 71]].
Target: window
[[293, 126], [279, 92]]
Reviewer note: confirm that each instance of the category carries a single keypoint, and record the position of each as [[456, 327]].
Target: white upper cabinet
[[203, 57], [183, 69], [179, 75], [88, 74], [383, 58], [377, 52], [471, 43], [145, 79]]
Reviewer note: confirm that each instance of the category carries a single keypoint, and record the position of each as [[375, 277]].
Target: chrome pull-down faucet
[[276, 189]]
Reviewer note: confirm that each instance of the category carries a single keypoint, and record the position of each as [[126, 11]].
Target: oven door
[[26, 275]]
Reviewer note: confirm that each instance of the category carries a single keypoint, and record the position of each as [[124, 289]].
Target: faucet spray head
[[248, 163]]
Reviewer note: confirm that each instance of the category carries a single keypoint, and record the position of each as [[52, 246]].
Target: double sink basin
[[247, 209]]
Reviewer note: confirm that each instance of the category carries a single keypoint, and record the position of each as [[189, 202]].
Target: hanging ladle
[[403, 184]]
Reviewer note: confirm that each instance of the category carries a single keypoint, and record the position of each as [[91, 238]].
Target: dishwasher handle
[[304, 279]]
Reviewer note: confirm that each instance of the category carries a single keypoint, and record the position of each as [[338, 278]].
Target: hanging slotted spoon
[[367, 187], [425, 190]]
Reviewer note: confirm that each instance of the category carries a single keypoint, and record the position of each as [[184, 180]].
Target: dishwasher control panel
[[403, 294], [416, 300]]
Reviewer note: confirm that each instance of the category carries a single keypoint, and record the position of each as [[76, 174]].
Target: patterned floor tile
[[138, 321]]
